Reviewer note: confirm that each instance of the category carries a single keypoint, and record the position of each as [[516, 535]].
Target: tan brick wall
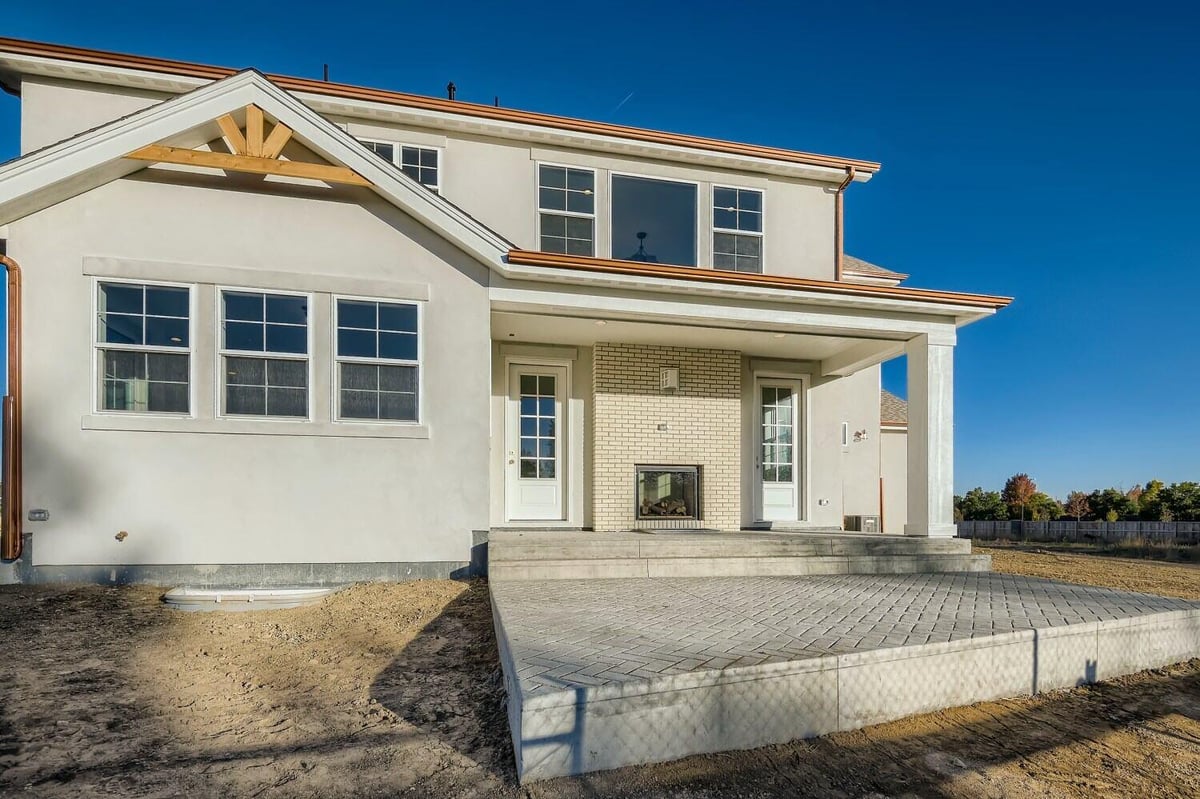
[[703, 420]]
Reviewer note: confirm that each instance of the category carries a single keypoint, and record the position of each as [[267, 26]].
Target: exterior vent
[[861, 524]]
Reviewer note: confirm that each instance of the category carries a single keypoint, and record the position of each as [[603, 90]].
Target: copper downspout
[[837, 222], [10, 533]]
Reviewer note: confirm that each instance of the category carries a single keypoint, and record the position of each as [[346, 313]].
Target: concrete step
[[540, 555], [606, 568]]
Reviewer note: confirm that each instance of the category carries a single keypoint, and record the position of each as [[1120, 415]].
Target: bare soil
[[394, 690], [1147, 576]]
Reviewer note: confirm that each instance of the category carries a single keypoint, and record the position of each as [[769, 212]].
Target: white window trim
[[762, 218], [337, 360], [98, 347], [537, 195], [223, 352], [398, 157], [660, 179]]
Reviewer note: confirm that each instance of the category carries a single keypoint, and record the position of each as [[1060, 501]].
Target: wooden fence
[[1162, 533]]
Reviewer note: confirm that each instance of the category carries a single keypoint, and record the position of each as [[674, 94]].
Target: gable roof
[[893, 411], [52, 174], [55, 173], [863, 169]]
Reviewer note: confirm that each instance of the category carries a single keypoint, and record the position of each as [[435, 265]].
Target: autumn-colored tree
[[1077, 505], [1019, 489]]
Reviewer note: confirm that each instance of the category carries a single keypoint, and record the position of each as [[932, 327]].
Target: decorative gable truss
[[250, 151]]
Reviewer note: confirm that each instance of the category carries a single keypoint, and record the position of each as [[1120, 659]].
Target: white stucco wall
[[195, 491], [496, 180], [893, 454]]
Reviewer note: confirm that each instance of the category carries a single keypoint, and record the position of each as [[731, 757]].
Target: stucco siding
[[274, 491], [893, 454]]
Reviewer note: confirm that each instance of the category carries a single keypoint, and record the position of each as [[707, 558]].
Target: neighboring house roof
[[853, 265], [893, 411], [494, 112]]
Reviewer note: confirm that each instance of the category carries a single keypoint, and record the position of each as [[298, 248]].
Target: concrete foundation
[[608, 673]]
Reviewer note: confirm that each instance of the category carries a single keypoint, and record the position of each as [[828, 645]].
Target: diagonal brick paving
[[588, 633]]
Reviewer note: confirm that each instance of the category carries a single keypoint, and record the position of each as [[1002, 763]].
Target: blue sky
[[1044, 152]]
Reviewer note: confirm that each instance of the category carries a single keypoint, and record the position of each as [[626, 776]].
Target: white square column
[[931, 436]]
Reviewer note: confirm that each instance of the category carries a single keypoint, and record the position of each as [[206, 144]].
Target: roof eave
[[27, 57]]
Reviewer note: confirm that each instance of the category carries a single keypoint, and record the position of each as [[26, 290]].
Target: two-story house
[[282, 330]]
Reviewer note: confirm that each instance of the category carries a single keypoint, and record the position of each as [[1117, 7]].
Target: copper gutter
[[183, 68], [10, 492], [837, 222], [691, 273]]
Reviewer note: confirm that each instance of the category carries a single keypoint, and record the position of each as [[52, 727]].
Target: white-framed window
[[737, 229], [566, 210], [143, 347], [264, 354], [422, 164], [377, 350]]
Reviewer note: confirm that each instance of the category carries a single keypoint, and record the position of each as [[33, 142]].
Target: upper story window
[[737, 229], [567, 210], [422, 164], [378, 360], [143, 344], [654, 220], [264, 354]]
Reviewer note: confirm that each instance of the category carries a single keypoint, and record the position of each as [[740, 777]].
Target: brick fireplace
[[637, 422]]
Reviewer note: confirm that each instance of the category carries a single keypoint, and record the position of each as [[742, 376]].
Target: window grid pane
[[142, 340], [567, 207], [385, 334], [778, 454], [258, 322], [538, 418]]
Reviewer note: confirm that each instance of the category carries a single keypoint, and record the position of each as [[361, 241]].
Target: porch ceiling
[[581, 331]]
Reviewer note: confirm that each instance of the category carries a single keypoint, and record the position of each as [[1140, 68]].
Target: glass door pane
[[538, 417]]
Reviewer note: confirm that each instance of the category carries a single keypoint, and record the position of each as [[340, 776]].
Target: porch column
[[930, 436]]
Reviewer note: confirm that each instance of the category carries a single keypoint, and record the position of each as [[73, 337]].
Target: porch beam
[[157, 153], [860, 356], [592, 302], [930, 439]]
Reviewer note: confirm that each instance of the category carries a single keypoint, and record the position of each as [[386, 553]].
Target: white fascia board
[[58, 69], [935, 311], [363, 109], [631, 306]]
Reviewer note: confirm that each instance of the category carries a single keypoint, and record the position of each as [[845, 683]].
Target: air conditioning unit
[[861, 524]]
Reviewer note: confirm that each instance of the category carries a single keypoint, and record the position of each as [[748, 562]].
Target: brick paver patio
[[588, 633]]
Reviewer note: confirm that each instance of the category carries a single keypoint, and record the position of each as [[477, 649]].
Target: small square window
[[378, 351]]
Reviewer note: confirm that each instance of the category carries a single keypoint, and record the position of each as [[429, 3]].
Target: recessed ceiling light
[[601, 322], [780, 335]]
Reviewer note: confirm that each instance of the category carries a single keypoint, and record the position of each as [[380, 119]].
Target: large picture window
[[567, 210], [653, 220], [264, 354], [737, 229], [143, 343], [378, 360]]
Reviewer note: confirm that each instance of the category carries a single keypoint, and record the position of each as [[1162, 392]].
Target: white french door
[[535, 455], [778, 460]]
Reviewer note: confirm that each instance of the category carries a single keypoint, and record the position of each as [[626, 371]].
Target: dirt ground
[[1151, 577], [394, 690]]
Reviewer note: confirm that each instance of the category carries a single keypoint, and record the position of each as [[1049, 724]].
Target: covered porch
[[617, 409]]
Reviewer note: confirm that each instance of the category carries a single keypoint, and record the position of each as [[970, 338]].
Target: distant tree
[[1077, 505], [983, 506], [1044, 508], [1019, 489], [1182, 500], [1112, 502], [1150, 503]]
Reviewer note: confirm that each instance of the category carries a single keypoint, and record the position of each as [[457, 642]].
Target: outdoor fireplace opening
[[668, 492]]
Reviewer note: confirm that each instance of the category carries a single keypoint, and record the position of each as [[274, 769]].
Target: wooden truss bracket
[[251, 152]]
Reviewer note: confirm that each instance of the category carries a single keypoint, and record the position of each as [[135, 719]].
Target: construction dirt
[[395, 690]]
